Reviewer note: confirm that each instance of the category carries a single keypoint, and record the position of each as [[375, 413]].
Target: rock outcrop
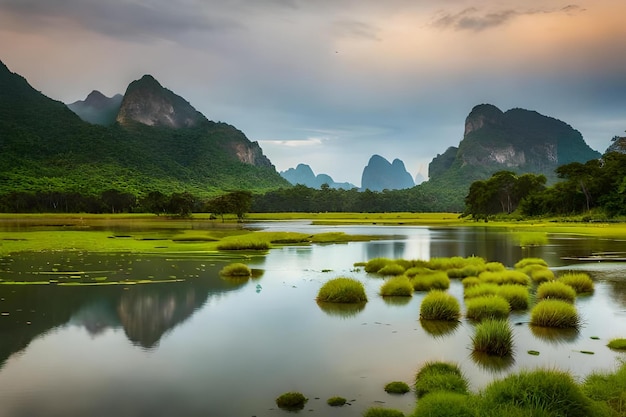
[[380, 175]]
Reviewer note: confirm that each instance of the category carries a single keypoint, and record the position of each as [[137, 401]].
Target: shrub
[[342, 290], [431, 281], [530, 261], [376, 264], [556, 290], [539, 392], [336, 401], [391, 269], [480, 290], [617, 344], [493, 337], [440, 376], [399, 286], [491, 306], [579, 281], [397, 387], [609, 388], [438, 305], [517, 296], [554, 313], [382, 412], [444, 404], [291, 401], [470, 282], [236, 270]]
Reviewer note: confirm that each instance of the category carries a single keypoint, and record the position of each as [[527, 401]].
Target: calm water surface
[[210, 347]]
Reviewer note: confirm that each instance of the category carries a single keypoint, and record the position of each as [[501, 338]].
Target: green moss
[[554, 313], [236, 270], [336, 401], [397, 387], [491, 306], [556, 290], [493, 337], [438, 305], [440, 376], [579, 281], [291, 401], [399, 286], [342, 290]]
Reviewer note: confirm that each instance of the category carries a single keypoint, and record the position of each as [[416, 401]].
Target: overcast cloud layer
[[331, 82]]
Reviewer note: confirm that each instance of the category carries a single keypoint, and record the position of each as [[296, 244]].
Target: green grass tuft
[[491, 306], [397, 387], [391, 269], [431, 281], [399, 286], [480, 290], [556, 290], [517, 296], [493, 337], [554, 313], [291, 401], [376, 264], [440, 376], [608, 388], [336, 401], [617, 344], [530, 261], [494, 266], [382, 412], [445, 404], [438, 305], [243, 245], [470, 282], [579, 281], [237, 270], [342, 290]]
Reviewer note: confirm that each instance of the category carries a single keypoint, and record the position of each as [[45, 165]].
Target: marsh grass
[[488, 307], [617, 344], [431, 281], [554, 313], [376, 264], [235, 245], [342, 290], [480, 290], [556, 290], [454, 262], [579, 281], [417, 270], [494, 267], [291, 401], [438, 305], [382, 412], [440, 376], [517, 296], [399, 286], [445, 404], [530, 261], [531, 238], [237, 270], [608, 388], [539, 274], [505, 277], [391, 268], [336, 401], [493, 337], [470, 282], [397, 387]]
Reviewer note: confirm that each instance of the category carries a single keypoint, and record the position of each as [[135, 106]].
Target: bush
[[382, 412], [438, 305], [342, 290], [617, 344], [236, 270], [431, 281], [397, 286], [391, 269], [480, 290], [491, 306], [556, 290], [444, 404], [493, 337], [291, 401], [440, 376], [376, 264], [336, 401], [579, 281], [554, 313], [397, 387], [530, 261], [517, 296]]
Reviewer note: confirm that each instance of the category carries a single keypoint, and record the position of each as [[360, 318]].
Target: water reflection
[[492, 364], [396, 301], [343, 310], [439, 328], [554, 335]]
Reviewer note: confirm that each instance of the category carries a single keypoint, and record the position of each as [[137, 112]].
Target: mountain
[[618, 145], [159, 143], [97, 108], [518, 140], [303, 174], [380, 175]]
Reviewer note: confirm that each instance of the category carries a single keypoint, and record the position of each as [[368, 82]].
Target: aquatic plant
[[440, 376], [439, 305], [439, 328], [531, 238], [493, 337], [236, 270], [491, 306], [416, 270], [376, 264], [480, 290], [382, 412], [517, 296], [391, 268], [530, 261], [399, 286], [430, 281], [579, 281], [397, 387], [494, 266], [539, 274], [336, 401], [504, 277], [445, 404], [608, 388], [470, 282], [243, 245], [342, 290], [291, 401], [556, 290], [554, 313], [617, 344], [454, 262]]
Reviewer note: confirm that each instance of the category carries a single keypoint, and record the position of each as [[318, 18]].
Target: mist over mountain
[[380, 175], [97, 108], [304, 175]]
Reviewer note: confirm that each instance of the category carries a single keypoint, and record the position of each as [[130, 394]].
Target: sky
[[329, 83]]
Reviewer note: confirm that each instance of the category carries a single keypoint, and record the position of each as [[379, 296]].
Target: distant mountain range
[[304, 175]]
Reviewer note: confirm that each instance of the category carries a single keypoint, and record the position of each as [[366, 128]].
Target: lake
[[200, 345]]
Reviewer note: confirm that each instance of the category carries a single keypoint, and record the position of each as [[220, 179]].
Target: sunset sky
[[331, 82]]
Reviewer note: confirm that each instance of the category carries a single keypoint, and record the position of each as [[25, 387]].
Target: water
[[209, 347]]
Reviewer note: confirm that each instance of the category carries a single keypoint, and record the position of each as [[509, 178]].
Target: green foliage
[[480, 290], [336, 401], [554, 313], [504, 277], [530, 261], [516, 295], [342, 290], [243, 245], [397, 387], [494, 267], [556, 290], [291, 401], [493, 337], [444, 404], [470, 282], [579, 281], [391, 269], [236, 270], [399, 286], [481, 308], [608, 388], [382, 412], [430, 281], [617, 344], [439, 305], [538, 273], [440, 376], [376, 264]]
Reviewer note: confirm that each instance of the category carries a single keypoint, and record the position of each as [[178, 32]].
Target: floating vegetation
[[493, 337], [440, 376], [291, 401], [399, 286], [556, 290], [336, 401], [533, 352], [617, 344], [439, 305], [397, 387], [554, 313], [531, 238], [342, 290], [505, 277], [237, 270], [579, 281], [242, 245], [487, 307]]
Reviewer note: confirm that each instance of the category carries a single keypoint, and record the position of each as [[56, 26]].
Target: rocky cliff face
[[618, 145], [380, 175], [149, 103], [97, 108]]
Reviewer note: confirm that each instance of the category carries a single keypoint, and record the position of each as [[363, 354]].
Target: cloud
[[298, 143], [356, 29]]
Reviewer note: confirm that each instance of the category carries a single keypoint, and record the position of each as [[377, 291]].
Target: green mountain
[[159, 142], [518, 140], [97, 108]]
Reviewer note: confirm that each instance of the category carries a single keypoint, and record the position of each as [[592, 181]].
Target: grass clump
[[417, 270], [376, 264], [608, 388], [538, 393], [440, 376], [391, 269], [556, 290], [399, 286], [579, 281], [617, 344], [480, 290], [291, 401], [237, 270], [517, 296], [431, 281], [493, 337], [397, 387], [554, 313], [494, 266], [539, 274], [445, 404], [530, 261], [243, 245], [336, 401], [438, 305], [382, 412], [470, 282], [491, 306], [342, 290]]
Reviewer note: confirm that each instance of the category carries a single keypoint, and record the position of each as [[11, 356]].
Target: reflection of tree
[[439, 328], [343, 310]]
